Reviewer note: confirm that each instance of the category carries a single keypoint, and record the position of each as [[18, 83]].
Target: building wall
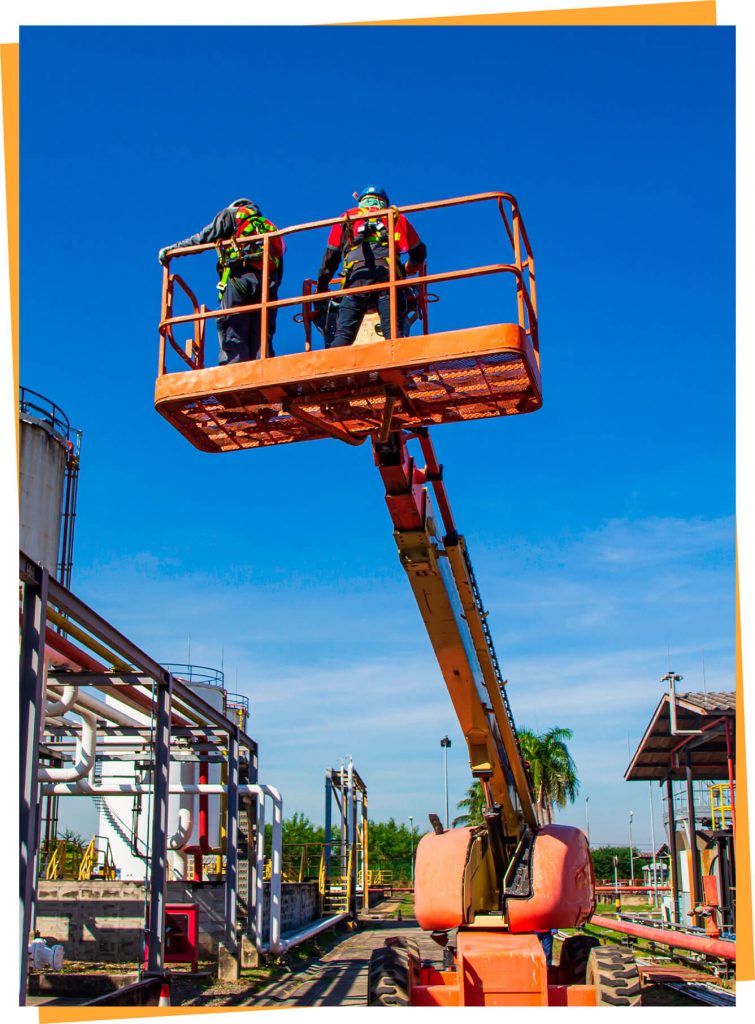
[[102, 921]]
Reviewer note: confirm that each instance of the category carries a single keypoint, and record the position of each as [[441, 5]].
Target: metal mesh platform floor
[[351, 393]]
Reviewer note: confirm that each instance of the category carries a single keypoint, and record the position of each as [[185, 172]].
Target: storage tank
[[46, 446]]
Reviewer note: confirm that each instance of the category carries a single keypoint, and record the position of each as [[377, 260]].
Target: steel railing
[[522, 268]]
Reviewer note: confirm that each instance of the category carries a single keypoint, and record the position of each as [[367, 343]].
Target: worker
[[362, 244], [240, 269], [546, 941]]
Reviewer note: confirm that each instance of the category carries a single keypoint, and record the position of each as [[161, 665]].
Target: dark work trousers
[[353, 307], [239, 335]]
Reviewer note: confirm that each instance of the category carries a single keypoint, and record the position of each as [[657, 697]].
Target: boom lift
[[501, 885]]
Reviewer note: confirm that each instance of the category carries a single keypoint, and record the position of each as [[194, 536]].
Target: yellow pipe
[[86, 639]]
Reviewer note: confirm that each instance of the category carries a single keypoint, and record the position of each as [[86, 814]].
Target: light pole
[[631, 851], [411, 855], [445, 743], [587, 817]]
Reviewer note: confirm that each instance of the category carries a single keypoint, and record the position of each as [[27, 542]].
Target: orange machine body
[[563, 883], [453, 882], [495, 969]]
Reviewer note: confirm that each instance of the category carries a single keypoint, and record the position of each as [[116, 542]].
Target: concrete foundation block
[[228, 964], [249, 956]]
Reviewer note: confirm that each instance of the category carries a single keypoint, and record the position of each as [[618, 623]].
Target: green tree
[[554, 775], [602, 861], [73, 840], [392, 847], [299, 829], [472, 804]]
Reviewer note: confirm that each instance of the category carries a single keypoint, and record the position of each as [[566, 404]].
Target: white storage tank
[[120, 814], [44, 447]]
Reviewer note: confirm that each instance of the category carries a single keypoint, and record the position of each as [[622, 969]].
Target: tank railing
[[44, 409], [196, 673], [522, 269]]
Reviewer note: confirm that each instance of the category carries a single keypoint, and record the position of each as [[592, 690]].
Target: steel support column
[[365, 854], [696, 887], [328, 823], [159, 833], [31, 716], [232, 842], [673, 849]]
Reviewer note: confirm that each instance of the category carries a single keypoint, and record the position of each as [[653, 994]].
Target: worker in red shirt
[[240, 269], [362, 244]]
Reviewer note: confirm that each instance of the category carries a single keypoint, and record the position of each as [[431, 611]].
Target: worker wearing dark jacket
[[362, 244], [240, 269]]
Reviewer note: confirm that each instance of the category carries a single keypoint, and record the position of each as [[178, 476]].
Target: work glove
[[163, 255], [412, 268]]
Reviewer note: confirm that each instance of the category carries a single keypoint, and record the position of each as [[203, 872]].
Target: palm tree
[[472, 805], [554, 775]]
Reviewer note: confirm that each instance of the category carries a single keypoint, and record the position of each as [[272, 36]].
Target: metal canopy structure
[[361, 390], [701, 726], [692, 736]]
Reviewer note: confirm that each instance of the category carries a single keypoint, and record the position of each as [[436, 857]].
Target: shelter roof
[[662, 752]]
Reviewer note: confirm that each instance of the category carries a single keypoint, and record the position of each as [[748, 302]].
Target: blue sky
[[601, 528]]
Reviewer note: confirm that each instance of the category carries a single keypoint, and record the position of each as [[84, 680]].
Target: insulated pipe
[[86, 750], [259, 873], [108, 788], [180, 861], [181, 836], [100, 709], [75, 658], [666, 937], [276, 944], [310, 930], [108, 712], [58, 704]]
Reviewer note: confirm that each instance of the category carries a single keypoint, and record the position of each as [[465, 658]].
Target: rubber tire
[[388, 980], [575, 952], [614, 974]]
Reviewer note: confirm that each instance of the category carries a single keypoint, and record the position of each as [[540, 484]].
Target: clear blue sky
[[601, 528]]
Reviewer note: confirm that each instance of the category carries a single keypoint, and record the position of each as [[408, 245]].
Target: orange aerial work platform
[[366, 389]]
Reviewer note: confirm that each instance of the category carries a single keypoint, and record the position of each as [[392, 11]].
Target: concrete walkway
[[339, 978]]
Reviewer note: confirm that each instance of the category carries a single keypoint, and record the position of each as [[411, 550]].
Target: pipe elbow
[[86, 752], [181, 836], [62, 702]]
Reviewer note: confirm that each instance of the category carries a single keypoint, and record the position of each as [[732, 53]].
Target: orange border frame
[[702, 12]]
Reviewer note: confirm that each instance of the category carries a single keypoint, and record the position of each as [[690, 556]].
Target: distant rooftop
[[718, 702], [708, 712]]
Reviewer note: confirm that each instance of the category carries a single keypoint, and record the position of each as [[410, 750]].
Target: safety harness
[[237, 252], [368, 245]]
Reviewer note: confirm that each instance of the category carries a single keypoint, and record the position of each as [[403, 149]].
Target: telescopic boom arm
[[435, 558]]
